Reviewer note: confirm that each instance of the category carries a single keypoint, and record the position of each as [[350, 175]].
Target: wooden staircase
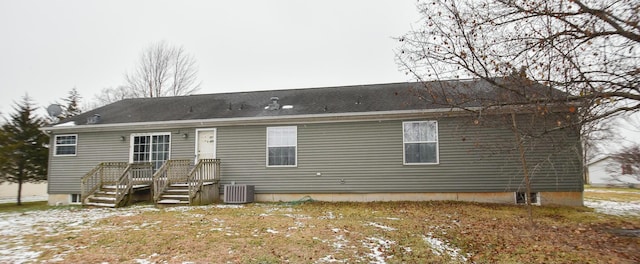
[[114, 184], [174, 195], [180, 182], [105, 196], [175, 183]]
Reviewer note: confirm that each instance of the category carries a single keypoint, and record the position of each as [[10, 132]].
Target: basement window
[[75, 199], [521, 198]]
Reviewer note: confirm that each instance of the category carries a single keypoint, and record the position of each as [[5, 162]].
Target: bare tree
[[163, 70], [109, 95], [587, 48]]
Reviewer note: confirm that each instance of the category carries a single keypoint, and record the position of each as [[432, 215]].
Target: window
[[521, 198], [282, 146], [154, 148], [420, 139], [65, 145], [627, 169], [74, 199]]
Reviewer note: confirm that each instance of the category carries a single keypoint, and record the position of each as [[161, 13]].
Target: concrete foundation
[[546, 198], [59, 199]]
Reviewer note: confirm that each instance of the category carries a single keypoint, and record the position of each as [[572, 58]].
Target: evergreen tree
[[72, 107], [23, 147]]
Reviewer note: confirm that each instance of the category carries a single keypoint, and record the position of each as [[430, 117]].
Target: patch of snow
[[298, 216], [614, 208], [142, 261], [330, 259], [329, 215], [66, 124], [17, 254], [233, 206], [378, 246], [609, 191], [339, 243], [14, 227], [393, 218], [269, 230], [440, 247], [383, 227]]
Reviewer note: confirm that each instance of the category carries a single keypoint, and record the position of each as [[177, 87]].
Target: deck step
[[101, 204], [177, 191], [180, 196], [172, 201], [102, 198]]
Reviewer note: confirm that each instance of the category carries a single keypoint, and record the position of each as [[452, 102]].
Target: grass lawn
[[318, 232]]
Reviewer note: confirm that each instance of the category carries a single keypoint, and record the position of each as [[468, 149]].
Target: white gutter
[[264, 120]]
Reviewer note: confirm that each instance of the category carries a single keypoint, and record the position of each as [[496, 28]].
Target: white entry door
[[206, 144]]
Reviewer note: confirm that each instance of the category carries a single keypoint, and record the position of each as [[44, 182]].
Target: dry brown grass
[[612, 194], [351, 232]]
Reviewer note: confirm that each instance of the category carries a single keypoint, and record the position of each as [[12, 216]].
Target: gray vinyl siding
[[362, 157], [355, 157], [65, 173]]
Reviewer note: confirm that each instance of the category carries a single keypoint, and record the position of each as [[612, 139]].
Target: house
[[605, 172], [380, 142]]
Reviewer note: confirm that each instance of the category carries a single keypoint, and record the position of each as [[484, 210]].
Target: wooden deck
[[177, 182]]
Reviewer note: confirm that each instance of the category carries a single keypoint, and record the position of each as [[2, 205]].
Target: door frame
[[215, 142]]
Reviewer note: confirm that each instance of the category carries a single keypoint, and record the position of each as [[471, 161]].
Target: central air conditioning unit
[[238, 193]]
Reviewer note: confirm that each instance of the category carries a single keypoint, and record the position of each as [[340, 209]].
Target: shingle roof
[[309, 101]]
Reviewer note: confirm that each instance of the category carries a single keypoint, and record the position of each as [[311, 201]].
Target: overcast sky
[[49, 47]]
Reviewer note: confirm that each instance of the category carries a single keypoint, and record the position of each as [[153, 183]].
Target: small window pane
[[282, 156], [66, 150], [411, 133], [420, 153]]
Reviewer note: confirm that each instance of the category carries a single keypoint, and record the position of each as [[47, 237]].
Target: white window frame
[[295, 128], [437, 141], [131, 143], [71, 198], [56, 145]]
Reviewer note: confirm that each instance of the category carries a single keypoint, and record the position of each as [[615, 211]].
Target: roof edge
[[312, 118]]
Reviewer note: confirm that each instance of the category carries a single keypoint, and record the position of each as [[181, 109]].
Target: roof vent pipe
[[93, 119], [274, 105]]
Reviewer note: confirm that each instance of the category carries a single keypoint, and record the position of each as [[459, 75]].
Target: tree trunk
[[525, 169], [20, 191]]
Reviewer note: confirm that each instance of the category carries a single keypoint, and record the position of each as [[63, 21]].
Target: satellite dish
[[54, 110]]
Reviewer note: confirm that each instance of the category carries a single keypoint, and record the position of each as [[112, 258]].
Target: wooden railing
[[172, 171], [103, 173], [134, 172], [206, 171]]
